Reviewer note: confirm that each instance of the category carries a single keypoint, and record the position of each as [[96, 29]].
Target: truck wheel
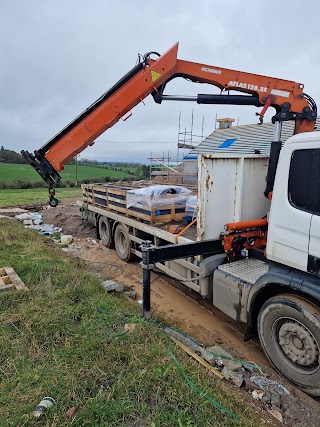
[[123, 243], [105, 232], [289, 332], [92, 219]]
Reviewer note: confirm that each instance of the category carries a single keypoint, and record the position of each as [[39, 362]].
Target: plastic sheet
[[191, 207], [158, 197]]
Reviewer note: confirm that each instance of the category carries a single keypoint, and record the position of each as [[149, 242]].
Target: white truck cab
[[294, 221]]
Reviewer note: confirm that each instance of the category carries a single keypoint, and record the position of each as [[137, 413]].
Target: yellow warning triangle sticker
[[155, 76]]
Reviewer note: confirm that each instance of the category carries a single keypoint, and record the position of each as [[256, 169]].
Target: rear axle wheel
[[123, 243], [289, 332]]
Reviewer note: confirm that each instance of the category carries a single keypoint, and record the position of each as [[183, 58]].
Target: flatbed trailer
[[218, 200]]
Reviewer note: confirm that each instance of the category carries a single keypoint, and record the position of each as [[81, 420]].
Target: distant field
[[10, 172], [34, 195]]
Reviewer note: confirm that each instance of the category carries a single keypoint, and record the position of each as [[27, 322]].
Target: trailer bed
[[114, 197]]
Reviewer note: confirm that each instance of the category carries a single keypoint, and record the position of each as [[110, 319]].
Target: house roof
[[244, 139]]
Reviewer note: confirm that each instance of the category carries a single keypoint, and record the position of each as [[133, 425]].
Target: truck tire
[[105, 232], [123, 243], [289, 332], [92, 219]]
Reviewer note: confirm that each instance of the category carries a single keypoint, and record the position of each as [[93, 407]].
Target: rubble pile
[[241, 373]]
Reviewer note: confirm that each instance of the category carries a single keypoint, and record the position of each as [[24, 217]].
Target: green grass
[[64, 338], [34, 195], [10, 172]]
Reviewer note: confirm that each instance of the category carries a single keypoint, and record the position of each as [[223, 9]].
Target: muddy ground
[[175, 303]]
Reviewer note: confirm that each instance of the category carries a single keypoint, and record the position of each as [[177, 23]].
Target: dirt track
[[177, 304]]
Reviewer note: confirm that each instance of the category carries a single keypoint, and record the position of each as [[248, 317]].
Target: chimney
[[225, 123]]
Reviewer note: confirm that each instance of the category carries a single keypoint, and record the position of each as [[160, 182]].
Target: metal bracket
[[151, 255]]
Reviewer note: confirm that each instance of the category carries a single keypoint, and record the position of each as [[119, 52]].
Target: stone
[[276, 414], [66, 239], [27, 222], [23, 216], [219, 351], [112, 286], [131, 294], [257, 394], [275, 400], [236, 378]]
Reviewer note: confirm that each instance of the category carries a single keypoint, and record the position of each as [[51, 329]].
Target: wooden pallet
[[10, 281], [113, 197]]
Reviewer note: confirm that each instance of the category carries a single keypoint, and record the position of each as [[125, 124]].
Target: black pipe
[[229, 100], [147, 265], [272, 168], [146, 293]]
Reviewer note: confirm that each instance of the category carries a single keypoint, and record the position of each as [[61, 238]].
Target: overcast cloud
[[59, 56]]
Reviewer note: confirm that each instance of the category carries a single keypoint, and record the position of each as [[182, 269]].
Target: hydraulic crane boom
[[150, 76]]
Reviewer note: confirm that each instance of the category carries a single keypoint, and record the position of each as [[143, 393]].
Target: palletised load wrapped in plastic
[[158, 197], [191, 207]]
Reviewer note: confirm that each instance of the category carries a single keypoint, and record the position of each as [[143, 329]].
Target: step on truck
[[255, 250]]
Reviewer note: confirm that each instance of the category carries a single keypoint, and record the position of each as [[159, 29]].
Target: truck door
[[293, 207], [314, 243]]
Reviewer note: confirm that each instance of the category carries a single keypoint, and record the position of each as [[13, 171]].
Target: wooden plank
[[117, 208], [99, 196], [198, 358], [121, 192], [115, 199], [6, 288], [15, 279]]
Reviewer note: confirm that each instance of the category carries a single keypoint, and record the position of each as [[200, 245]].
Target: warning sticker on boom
[[155, 75]]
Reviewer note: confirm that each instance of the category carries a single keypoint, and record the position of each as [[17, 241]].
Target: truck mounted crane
[[262, 272]]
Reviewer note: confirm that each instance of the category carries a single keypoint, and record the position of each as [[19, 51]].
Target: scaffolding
[[165, 168]]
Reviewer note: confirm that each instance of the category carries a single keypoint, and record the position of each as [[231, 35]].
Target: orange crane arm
[[150, 76]]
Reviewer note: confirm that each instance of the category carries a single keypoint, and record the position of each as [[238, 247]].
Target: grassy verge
[[34, 195], [65, 339]]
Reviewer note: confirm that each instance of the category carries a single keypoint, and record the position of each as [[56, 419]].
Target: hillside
[[10, 173], [9, 156]]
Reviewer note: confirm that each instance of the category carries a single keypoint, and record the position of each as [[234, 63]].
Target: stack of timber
[[113, 197]]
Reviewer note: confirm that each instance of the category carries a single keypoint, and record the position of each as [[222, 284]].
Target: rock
[[27, 221], [112, 286], [191, 344], [275, 400], [23, 216], [276, 414], [218, 352], [266, 398], [66, 239], [257, 394], [131, 294], [235, 377]]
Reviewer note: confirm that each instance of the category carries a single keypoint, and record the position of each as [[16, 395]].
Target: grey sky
[[59, 56]]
